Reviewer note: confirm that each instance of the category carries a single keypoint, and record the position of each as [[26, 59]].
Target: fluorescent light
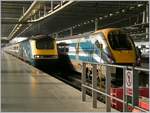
[[105, 16], [100, 18], [117, 12], [139, 5], [123, 10], [20, 25]]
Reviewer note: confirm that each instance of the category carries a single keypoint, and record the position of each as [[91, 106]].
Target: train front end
[[44, 50], [121, 46], [117, 48]]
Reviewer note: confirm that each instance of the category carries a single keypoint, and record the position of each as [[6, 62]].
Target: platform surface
[[27, 89]]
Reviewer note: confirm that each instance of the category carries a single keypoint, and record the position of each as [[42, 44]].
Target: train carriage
[[37, 50], [111, 45]]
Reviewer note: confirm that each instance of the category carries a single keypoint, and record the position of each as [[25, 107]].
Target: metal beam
[[53, 12], [8, 22], [34, 6]]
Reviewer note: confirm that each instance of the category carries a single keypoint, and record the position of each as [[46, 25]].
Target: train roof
[[38, 37], [87, 34], [106, 30]]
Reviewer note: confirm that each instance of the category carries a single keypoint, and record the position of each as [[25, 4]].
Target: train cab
[[43, 49], [118, 46]]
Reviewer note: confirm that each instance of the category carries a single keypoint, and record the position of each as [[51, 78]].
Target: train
[[37, 50], [110, 45]]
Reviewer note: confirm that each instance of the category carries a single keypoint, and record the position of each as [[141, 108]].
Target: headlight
[[36, 56]]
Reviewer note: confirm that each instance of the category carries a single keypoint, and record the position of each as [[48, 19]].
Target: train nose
[[124, 57]]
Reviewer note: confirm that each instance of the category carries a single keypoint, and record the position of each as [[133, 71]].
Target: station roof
[[78, 14], [11, 11]]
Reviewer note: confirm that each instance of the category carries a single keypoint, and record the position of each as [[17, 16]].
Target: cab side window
[[97, 43]]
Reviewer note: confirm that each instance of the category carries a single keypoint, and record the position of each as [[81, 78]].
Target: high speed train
[[36, 50], [110, 45]]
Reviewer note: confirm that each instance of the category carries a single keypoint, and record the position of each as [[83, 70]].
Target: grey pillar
[[56, 35], [83, 81], [51, 5], [44, 10], [96, 24], [23, 10], [39, 13], [135, 95], [124, 91], [71, 31], [107, 86], [94, 85], [147, 20], [144, 17]]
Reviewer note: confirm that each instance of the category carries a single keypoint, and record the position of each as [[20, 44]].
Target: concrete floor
[[26, 89]]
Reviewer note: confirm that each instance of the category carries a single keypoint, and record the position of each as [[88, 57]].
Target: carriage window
[[101, 41], [119, 41], [63, 47], [45, 44]]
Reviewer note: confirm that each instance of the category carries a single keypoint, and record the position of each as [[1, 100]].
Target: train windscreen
[[119, 41], [45, 43]]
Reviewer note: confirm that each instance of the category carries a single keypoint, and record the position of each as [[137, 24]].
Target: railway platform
[[27, 89]]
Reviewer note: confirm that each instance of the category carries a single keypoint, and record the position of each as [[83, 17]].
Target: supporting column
[[83, 81], [51, 5], [39, 13], [44, 10], [61, 2], [135, 95], [107, 86], [71, 31], [56, 35], [96, 24], [143, 20], [94, 85], [31, 18], [147, 19], [124, 91], [35, 17], [23, 10]]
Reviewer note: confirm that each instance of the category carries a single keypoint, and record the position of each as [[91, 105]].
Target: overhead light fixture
[[117, 12], [106, 16], [92, 20], [123, 10], [110, 14], [15, 31], [139, 5], [132, 7], [20, 25], [100, 18]]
